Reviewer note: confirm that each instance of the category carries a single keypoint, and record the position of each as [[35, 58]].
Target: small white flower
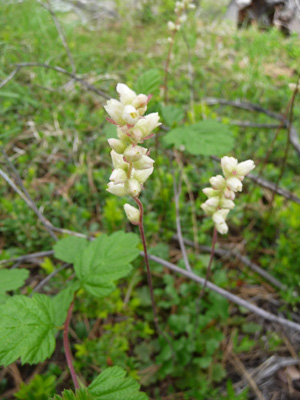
[[182, 18], [171, 26], [209, 192], [130, 115], [244, 167], [117, 145], [134, 153], [229, 194], [144, 163], [142, 175], [115, 110], [132, 213], [148, 124], [121, 132], [170, 40], [118, 176], [218, 182], [118, 160], [228, 165], [226, 203], [211, 205], [136, 135], [222, 228], [234, 184], [140, 101], [133, 187], [127, 96], [220, 216], [118, 190]]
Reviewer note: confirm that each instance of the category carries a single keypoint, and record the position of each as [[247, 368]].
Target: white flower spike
[[132, 165], [222, 193]]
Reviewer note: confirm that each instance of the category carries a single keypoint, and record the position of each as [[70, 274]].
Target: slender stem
[[214, 241], [67, 347], [149, 277]]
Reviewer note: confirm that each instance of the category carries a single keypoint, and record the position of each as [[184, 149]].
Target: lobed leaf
[[12, 279], [105, 260], [149, 82], [26, 329], [69, 248], [171, 114], [112, 384], [205, 138]]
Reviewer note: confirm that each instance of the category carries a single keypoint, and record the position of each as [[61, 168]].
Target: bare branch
[[61, 33], [245, 260], [90, 87], [293, 135], [9, 77], [178, 224], [227, 295]]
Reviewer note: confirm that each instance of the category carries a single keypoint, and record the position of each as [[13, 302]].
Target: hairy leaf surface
[[69, 248], [12, 279], [113, 384], [26, 329], [105, 260], [82, 394], [205, 138]]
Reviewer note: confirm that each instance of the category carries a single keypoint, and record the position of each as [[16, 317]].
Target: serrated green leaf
[[82, 394], [171, 114], [26, 329], [12, 279], [205, 138], [112, 384], [105, 260], [149, 82], [69, 248], [61, 302]]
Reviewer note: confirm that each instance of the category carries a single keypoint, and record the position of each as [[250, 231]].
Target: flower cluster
[[181, 8], [131, 162], [222, 193]]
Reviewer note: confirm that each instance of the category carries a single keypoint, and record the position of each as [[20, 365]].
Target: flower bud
[[144, 163], [117, 145], [142, 175], [117, 189], [118, 176], [209, 192], [118, 161], [234, 184], [136, 135], [228, 165], [134, 153], [115, 110], [121, 132], [132, 213], [147, 124], [229, 194], [245, 167], [133, 187], [130, 115], [171, 26], [140, 101], [218, 182], [222, 228], [225, 203], [127, 96], [211, 205], [220, 216]]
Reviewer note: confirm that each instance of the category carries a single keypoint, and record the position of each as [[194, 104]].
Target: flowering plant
[[222, 193], [131, 162]]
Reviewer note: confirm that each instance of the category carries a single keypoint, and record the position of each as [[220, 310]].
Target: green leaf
[[205, 138], [26, 329], [113, 385], [61, 302], [171, 114], [149, 82], [105, 260], [82, 394], [12, 279], [69, 248]]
